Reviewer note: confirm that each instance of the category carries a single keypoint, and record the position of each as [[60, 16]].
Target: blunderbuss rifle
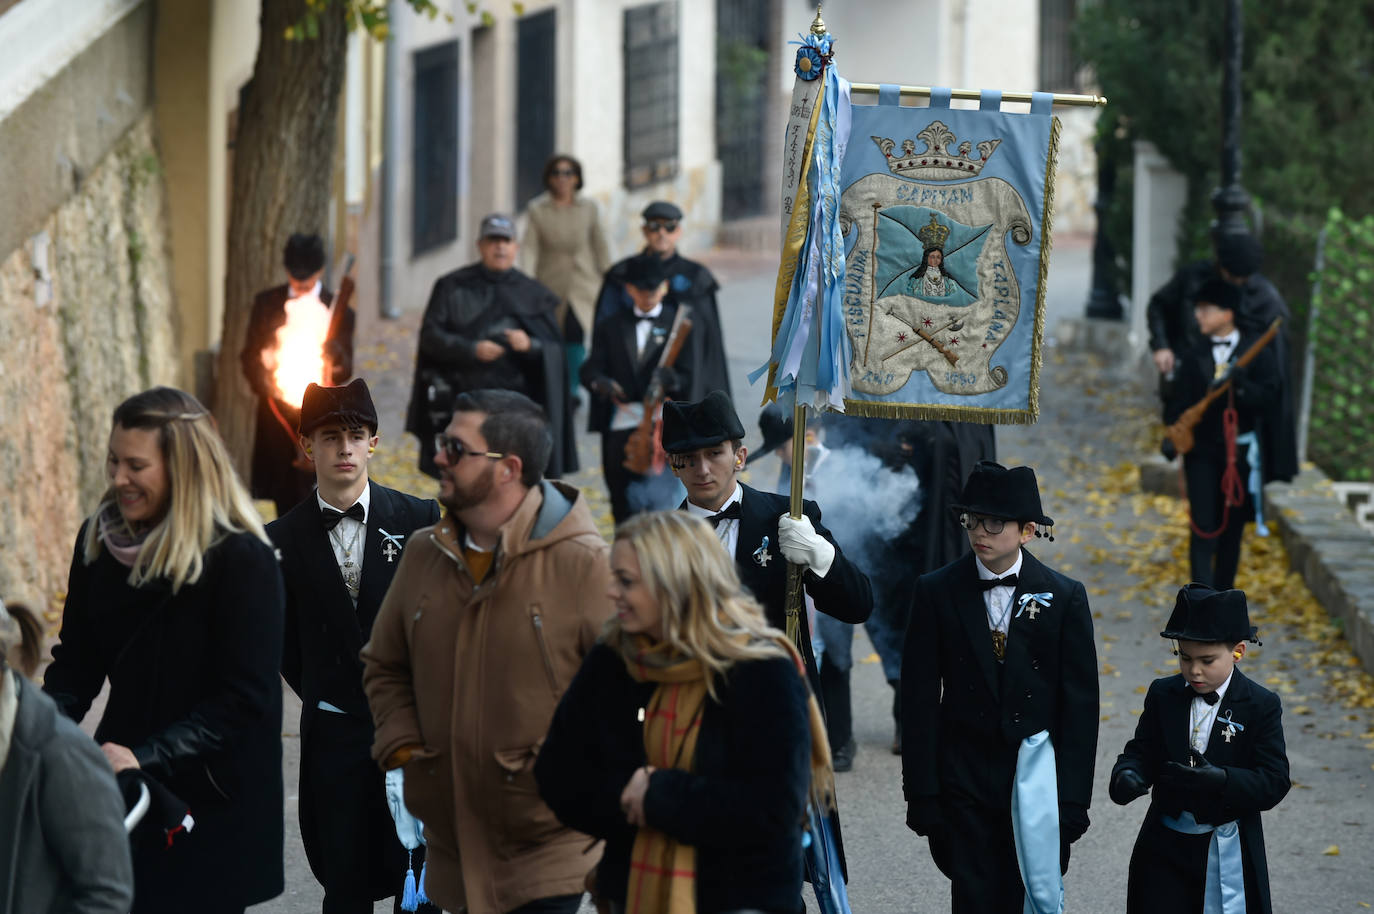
[[1180, 434], [642, 448]]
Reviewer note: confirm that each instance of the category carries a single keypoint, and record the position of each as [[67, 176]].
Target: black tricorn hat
[[303, 255], [645, 271], [993, 490], [350, 406], [691, 426], [1210, 616], [1219, 292], [776, 429]]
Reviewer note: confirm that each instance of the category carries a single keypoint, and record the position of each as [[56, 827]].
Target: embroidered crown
[[933, 235], [937, 162]]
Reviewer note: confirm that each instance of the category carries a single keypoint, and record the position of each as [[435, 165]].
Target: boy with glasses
[[999, 705], [689, 283]]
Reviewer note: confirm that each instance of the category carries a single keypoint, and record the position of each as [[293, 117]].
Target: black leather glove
[[1203, 777], [923, 816], [607, 388], [1073, 821], [1127, 785], [668, 377]]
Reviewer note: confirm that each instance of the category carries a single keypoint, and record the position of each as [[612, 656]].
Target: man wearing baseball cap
[[488, 325]]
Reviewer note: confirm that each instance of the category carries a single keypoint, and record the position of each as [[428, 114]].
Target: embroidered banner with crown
[[945, 215], [913, 274]]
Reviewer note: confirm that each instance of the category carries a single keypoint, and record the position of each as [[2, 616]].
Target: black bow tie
[[330, 518], [1008, 581], [731, 512], [1210, 697], [646, 317]]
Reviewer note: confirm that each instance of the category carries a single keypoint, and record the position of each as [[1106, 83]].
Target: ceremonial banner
[[912, 281]]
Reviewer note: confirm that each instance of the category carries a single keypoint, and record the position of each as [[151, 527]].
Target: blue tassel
[[422, 898], [409, 899]]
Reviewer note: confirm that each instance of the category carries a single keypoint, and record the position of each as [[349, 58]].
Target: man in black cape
[[689, 283], [488, 325]]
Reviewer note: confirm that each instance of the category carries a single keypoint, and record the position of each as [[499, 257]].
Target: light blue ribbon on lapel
[[1255, 483], [1035, 825], [1225, 893], [1043, 599]]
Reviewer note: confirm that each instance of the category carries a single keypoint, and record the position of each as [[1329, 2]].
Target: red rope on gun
[[1232, 488]]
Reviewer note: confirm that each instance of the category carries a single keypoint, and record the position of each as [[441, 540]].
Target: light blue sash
[[1225, 869], [1256, 481], [1035, 825]]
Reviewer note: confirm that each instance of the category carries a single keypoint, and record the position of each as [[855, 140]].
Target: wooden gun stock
[[1181, 432], [643, 447]]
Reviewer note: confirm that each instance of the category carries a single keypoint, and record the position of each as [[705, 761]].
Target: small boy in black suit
[[1221, 496], [1211, 742], [627, 348], [999, 705]]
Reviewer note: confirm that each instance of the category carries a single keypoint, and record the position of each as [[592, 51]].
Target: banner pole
[[793, 603], [1076, 101]]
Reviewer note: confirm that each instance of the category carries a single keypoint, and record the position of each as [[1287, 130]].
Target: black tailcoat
[[615, 355], [273, 447], [194, 693], [964, 713], [345, 825], [1257, 778]]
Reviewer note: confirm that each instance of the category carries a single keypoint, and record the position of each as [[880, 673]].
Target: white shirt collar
[[651, 314], [364, 499], [985, 575], [699, 511], [1229, 339]]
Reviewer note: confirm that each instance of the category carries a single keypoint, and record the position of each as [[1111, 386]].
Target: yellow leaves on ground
[[1333, 851]]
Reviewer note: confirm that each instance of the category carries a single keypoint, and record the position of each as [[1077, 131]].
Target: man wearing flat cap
[[999, 705], [489, 326], [339, 551], [689, 283], [625, 362], [274, 474], [1174, 330]]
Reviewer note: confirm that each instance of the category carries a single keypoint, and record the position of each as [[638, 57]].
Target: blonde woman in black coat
[[175, 597], [688, 740]]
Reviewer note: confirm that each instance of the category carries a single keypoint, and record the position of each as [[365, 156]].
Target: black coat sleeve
[[77, 671], [257, 338], [1076, 729], [292, 650], [440, 342], [1164, 305], [845, 592], [246, 622], [593, 747], [339, 346], [920, 703], [767, 733]]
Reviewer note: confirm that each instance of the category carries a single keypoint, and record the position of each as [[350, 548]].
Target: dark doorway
[[536, 114], [434, 153], [742, 38]]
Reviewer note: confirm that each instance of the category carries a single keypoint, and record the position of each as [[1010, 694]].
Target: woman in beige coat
[[566, 251]]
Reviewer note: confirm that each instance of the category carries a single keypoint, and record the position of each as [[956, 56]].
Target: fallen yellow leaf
[[1332, 851]]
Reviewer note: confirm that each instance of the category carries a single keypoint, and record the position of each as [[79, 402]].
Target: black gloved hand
[[607, 388], [1127, 785], [1073, 821], [923, 816], [667, 377], [1202, 777]]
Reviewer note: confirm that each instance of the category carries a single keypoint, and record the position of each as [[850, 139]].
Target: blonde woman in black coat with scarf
[[175, 596], [689, 740]]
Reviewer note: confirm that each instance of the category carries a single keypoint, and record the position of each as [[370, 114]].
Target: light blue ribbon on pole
[[1035, 825], [1256, 481], [822, 858], [1225, 893]]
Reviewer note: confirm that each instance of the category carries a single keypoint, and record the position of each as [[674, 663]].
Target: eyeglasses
[[661, 225], [455, 450], [993, 525], [563, 173]]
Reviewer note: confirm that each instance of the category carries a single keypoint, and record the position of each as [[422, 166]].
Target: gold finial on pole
[[818, 24]]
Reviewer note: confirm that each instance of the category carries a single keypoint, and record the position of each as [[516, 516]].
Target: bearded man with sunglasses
[[999, 705], [689, 283], [487, 620]]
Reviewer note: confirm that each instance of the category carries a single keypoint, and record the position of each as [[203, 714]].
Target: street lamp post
[[1230, 199]]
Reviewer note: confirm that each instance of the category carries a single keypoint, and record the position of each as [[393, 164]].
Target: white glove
[[800, 544]]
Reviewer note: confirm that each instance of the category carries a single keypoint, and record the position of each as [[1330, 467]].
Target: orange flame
[[297, 359]]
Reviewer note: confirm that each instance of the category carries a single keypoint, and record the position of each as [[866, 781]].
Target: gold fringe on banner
[[1046, 244], [878, 409]]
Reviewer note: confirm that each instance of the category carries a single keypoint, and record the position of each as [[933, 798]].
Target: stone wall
[[86, 319]]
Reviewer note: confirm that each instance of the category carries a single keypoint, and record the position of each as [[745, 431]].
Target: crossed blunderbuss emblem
[[928, 336]]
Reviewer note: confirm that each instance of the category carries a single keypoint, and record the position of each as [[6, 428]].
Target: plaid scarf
[[662, 870]]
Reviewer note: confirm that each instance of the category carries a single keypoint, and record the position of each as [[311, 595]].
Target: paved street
[[1126, 547]]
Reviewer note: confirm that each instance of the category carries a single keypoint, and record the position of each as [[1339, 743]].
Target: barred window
[[434, 151], [651, 96], [1058, 68]]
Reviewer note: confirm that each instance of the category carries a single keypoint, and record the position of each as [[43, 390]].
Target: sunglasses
[[563, 173], [661, 225], [455, 450], [993, 525]]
